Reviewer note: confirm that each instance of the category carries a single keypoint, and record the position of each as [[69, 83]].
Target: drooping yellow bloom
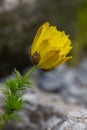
[[50, 47]]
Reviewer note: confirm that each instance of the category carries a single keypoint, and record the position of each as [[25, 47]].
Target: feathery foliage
[[13, 92]]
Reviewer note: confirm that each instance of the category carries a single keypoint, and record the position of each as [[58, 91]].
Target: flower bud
[[50, 47]]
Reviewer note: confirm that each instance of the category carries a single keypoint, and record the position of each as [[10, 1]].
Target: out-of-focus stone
[[70, 125], [77, 120], [52, 80], [82, 75]]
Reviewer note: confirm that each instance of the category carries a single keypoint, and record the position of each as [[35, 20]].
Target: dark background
[[20, 19]]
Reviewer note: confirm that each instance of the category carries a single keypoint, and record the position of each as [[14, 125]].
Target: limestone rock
[[77, 120]]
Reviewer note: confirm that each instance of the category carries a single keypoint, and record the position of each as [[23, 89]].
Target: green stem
[[27, 75], [2, 124], [3, 120]]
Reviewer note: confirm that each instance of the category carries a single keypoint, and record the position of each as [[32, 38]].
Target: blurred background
[[67, 84], [20, 19]]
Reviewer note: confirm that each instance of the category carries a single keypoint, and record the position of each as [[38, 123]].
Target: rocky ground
[[56, 101]]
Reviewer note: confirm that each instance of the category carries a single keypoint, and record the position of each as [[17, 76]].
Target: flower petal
[[49, 59], [39, 36]]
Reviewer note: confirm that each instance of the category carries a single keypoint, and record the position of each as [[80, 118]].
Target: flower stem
[[4, 120], [1, 125], [27, 75]]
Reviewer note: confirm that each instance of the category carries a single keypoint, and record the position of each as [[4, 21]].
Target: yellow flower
[[50, 47]]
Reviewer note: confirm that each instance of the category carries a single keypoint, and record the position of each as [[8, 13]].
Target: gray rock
[[64, 80], [72, 89], [77, 120], [70, 125], [82, 74], [70, 83], [53, 80]]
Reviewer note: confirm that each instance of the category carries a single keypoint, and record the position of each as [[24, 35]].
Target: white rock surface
[[77, 120]]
